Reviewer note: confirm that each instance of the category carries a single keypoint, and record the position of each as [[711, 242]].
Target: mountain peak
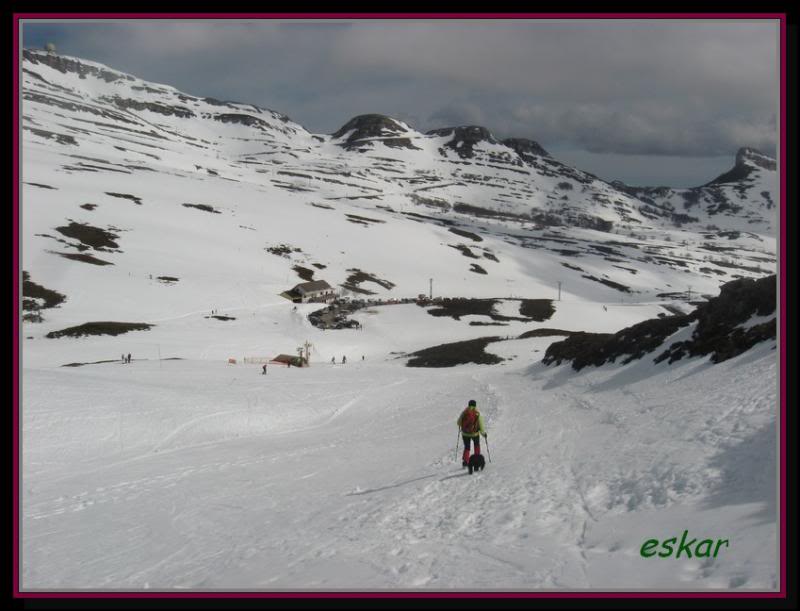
[[755, 157], [470, 133], [464, 138], [371, 126], [747, 160], [66, 64], [526, 148]]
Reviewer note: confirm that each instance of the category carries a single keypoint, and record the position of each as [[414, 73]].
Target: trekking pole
[[488, 453], [458, 434]]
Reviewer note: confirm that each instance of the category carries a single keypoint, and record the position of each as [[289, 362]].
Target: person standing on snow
[[471, 425]]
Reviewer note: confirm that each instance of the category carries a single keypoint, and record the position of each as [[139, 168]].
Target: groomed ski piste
[[181, 471]]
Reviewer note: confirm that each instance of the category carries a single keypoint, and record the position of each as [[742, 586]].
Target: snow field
[[179, 471], [201, 475]]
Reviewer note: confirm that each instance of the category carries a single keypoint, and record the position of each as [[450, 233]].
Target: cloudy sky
[[648, 102]]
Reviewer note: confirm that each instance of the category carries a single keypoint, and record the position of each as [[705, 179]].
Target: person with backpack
[[471, 425]]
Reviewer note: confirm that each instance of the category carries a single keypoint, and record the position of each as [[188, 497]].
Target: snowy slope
[[738, 200], [141, 204], [199, 475], [90, 131]]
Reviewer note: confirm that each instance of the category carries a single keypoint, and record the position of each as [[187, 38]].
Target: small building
[[314, 291], [289, 359]]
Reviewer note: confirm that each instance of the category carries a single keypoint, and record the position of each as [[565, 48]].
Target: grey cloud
[[458, 113], [653, 129]]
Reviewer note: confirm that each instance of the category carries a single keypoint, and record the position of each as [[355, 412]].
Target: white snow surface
[[180, 471], [195, 474]]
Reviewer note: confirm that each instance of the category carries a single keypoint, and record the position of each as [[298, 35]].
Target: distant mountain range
[[116, 168]]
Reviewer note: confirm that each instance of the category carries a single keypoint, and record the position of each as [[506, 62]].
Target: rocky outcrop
[[527, 150], [66, 64], [241, 119], [747, 161], [722, 323], [727, 326], [363, 129], [464, 138], [157, 107]]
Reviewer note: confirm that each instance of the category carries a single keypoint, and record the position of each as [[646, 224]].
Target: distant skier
[[264, 369], [344, 360], [470, 423], [333, 360], [123, 358], [129, 357]]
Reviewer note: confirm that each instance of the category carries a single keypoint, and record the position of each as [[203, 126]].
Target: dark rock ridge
[[526, 149], [60, 138], [756, 157], [66, 64], [464, 138], [719, 321], [367, 127], [69, 105], [162, 109], [242, 119], [71, 65], [241, 105], [718, 332], [746, 159]]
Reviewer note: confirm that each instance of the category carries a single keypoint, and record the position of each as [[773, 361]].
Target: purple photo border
[[781, 17]]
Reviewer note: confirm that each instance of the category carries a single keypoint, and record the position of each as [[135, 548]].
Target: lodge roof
[[314, 285]]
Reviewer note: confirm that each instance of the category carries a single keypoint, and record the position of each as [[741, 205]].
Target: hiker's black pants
[[476, 442]]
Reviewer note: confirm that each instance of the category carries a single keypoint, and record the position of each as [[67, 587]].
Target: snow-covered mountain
[[169, 225], [742, 199], [109, 154]]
